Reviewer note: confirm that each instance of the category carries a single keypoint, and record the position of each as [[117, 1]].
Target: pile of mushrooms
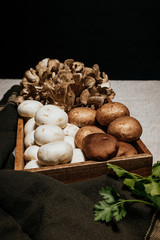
[[69, 84], [48, 137], [53, 136], [68, 117]]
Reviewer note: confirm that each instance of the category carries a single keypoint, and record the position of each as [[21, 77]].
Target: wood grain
[[79, 172], [19, 162]]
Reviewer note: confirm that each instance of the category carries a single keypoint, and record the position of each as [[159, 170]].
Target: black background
[[121, 36]]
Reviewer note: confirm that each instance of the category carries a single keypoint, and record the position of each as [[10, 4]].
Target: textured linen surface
[[143, 100]]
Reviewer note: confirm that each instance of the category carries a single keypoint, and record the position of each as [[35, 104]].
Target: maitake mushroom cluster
[[69, 84]]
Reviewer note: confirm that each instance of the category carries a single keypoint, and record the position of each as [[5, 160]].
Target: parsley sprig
[[113, 205]]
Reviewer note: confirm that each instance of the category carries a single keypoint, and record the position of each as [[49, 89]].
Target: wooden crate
[[74, 172]]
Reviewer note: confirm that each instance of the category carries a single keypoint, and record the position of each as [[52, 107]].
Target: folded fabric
[[10, 95], [8, 127], [34, 206]]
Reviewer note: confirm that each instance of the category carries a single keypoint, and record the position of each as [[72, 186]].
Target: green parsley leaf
[[103, 212], [156, 170], [120, 212], [155, 201], [107, 194], [121, 172], [112, 206], [139, 189], [149, 184], [152, 188], [129, 182]]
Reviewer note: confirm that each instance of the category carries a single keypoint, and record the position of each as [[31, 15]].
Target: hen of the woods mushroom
[[69, 84]]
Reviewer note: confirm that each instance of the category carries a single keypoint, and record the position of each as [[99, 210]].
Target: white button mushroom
[[55, 153], [29, 139], [29, 126], [32, 164], [51, 115], [70, 129], [70, 140], [31, 153], [78, 156], [46, 133], [28, 108]]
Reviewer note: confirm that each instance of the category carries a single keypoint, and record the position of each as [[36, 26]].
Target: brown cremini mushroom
[[126, 129], [100, 146]]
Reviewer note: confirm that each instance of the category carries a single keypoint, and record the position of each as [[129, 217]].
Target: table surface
[[143, 100]]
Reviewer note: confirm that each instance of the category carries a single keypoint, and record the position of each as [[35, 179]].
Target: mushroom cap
[[78, 156], [28, 108], [126, 149], [70, 139], [83, 132], [31, 153], [82, 116], [51, 115], [126, 129], [55, 153], [70, 130], [47, 133], [100, 146], [29, 139], [110, 111], [32, 164], [29, 126]]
